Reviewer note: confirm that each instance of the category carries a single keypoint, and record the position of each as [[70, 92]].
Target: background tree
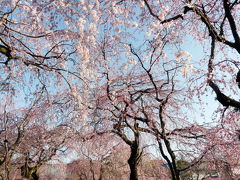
[[99, 157]]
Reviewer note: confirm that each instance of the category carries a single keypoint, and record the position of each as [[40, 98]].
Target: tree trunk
[[101, 172], [133, 171], [35, 175], [133, 161], [30, 172]]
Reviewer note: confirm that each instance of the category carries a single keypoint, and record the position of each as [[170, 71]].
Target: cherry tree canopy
[[124, 67]]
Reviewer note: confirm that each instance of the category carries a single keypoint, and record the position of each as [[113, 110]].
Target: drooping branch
[[198, 160], [205, 19], [222, 98], [179, 16], [226, 5]]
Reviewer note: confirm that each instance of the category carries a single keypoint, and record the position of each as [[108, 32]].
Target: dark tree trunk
[[133, 161], [35, 175], [30, 172], [136, 152]]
